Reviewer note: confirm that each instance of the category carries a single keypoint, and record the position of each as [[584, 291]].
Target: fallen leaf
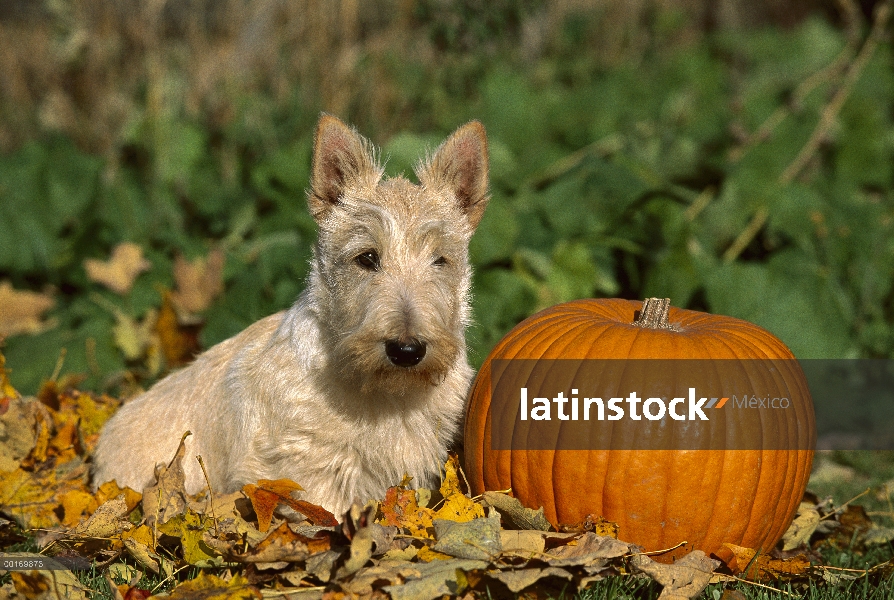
[[521, 517], [42, 432], [529, 544], [167, 498], [48, 585], [437, 578], [595, 523], [764, 566], [190, 528], [268, 494], [17, 423], [136, 339], [426, 554], [456, 506], [110, 490], [211, 587], [683, 580], [75, 504], [283, 544], [22, 311], [590, 550], [877, 536], [399, 509], [518, 579], [366, 580], [108, 520], [475, 539], [121, 270], [198, 282], [802, 527], [179, 342]]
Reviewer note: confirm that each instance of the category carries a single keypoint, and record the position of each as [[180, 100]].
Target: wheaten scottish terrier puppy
[[364, 378]]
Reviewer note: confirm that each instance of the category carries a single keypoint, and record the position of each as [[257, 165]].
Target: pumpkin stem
[[653, 314]]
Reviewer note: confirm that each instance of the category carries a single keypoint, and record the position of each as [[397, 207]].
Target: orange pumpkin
[[659, 498]]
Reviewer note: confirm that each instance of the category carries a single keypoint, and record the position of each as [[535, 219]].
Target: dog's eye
[[369, 260], [440, 261]]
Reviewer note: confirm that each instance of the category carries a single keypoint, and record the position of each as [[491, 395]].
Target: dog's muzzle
[[405, 354]]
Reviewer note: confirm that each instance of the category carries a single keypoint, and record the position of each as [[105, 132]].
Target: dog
[[364, 379]]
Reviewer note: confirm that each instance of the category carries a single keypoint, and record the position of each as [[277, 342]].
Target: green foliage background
[[632, 175]]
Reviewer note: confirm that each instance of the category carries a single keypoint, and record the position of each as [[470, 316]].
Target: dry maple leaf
[[121, 270], [198, 282], [22, 311], [400, 509], [457, 506]]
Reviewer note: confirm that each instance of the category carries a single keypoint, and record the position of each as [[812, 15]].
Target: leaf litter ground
[[264, 541]]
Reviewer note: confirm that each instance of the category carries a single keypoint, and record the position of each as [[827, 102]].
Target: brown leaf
[[179, 343], [314, 513], [283, 544], [269, 494], [198, 282], [589, 550], [767, 567], [683, 580], [22, 311], [108, 520], [167, 498], [121, 270]]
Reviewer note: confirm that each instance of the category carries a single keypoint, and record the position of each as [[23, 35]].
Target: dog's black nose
[[405, 354]]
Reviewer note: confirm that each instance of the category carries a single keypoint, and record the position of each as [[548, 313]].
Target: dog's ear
[[341, 157], [460, 163]]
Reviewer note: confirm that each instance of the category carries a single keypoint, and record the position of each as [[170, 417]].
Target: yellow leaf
[[75, 504], [456, 506], [190, 528], [400, 509], [426, 554], [6, 389], [211, 587], [135, 338], [29, 497], [121, 270], [110, 490], [22, 311]]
